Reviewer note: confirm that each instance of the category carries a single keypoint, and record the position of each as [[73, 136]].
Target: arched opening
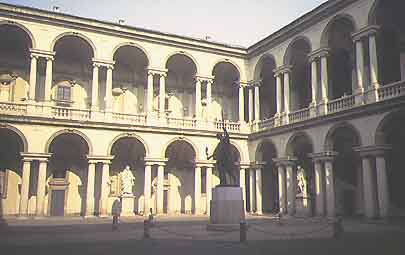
[[10, 171], [72, 72], [347, 166], [15, 47], [67, 175], [341, 59], [300, 85], [391, 132], [268, 95], [127, 151], [225, 92], [181, 86], [299, 147], [265, 152], [179, 178], [390, 41], [129, 80]]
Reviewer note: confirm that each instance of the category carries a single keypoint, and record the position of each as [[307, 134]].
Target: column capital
[[365, 32], [282, 69], [372, 150], [100, 158], [36, 156], [322, 52], [323, 156], [285, 161], [42, 53], [203, 78], [103, 63], [155, 161], [244, 84], [157, 71], [255, 83], [205, 163], [257, 164]]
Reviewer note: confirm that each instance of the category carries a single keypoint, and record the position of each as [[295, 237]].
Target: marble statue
[[301, 181], [127, 181]]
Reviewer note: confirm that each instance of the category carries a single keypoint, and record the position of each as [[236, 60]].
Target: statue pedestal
[[127, 203], [227, 209]]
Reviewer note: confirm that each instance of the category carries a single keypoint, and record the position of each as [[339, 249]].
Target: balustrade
[[392, 90], [341, 104], [300, 115]]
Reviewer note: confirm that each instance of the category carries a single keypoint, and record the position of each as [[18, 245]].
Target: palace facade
[[321, 99]]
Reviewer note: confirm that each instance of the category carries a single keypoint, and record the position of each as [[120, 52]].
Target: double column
[[149, 163], [282, 75], [319, 60], [200, 82], [287, 177], [208, 165], [253, 88], [255, 187], [162, 90]]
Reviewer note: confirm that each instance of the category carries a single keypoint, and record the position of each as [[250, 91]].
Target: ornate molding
[[322, 52], [372, 150], [364, 32], [282, 69]]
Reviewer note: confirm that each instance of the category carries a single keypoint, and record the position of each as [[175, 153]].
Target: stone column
[[382, 186], [259, 207], [324, 79], [162, 93], [33, 77], [242, 184], [90, 188], [105, 176], [43, 163], [287, 93], [368, 188], [198, 99], [279, 94], [147, 188], [208, 189], [94, 88], [330, 187], [319, 188], [197, 190], [359, 64], [314, 80], [241, 103], [251, 190], [108, 88], [291, 188], [282, 196], [209, 97], [250, 94], [159, 190], [48, 79], [149, 93], [257, 102], [25, 185]]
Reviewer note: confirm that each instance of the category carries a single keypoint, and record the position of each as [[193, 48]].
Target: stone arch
[[78, 35], [225, 60], [129, 135], [259, 64], [18, 133], [292, 139], [131, 44], [184, 139], [186, 54], [242, 157], [328, 144], [380, 137], [326, 30], [288, 52], [24, 28], [260, 145], [69, 131]]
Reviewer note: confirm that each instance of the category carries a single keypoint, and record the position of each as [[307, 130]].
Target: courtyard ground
[[188, 235]]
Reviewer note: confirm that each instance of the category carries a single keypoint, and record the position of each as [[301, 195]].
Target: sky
[[236, 22]]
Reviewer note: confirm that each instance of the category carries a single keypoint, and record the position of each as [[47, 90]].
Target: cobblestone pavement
[[180, 234]]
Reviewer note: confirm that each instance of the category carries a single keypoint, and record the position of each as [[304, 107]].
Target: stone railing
[[13, 108], [181, 122], [300, 115], [70, 113], [267, 123], [341, 104], [134, 119], [230, 126], [391, 90]]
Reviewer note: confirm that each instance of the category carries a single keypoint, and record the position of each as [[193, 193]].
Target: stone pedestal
[[303, 206], [127, 203], [227, 209]]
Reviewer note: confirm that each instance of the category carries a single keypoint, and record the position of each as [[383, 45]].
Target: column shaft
[[251, 190], [282, 198], [41, 187], [162, 93], [198, 99], [250, 93], [314, 81], [33, 77], [369, 189], [105, 175], [259, 207], [90, 189], [25, 185], [330, 188], [360, 65], [108, 89], [242, 184], [382, 183], [197, 190], [48, 79], [94, 88], [209, 98], [287, 93], [291, 190], [241, 104], [373, 61], [147, 189], [159, 195], [208, 189], [279, 93], [257, 103], [324, 78], [149, 97], [319, 189]]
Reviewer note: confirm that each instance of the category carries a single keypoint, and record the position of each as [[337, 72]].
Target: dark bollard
[[337, 228], [243, 231], [146, 233], [115, 223]]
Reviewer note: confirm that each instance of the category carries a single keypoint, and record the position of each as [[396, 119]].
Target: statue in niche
[[127, 181], [301, 182]]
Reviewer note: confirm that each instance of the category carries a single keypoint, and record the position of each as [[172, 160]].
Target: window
[[64, 93]]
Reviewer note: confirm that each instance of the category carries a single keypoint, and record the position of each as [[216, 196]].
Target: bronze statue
[[224, 159]]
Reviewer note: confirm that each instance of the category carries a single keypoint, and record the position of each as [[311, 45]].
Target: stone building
[[81, 99]]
